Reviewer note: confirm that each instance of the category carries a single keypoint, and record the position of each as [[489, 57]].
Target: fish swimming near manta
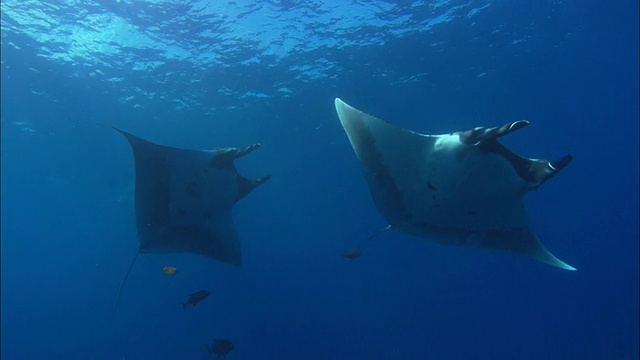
[[463, 188], [195, 298], [184, 199], [220, 347]]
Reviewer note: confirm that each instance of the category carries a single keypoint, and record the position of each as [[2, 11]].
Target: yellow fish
[[169, 270]]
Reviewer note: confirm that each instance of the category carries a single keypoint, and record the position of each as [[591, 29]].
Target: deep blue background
[[68, 227]]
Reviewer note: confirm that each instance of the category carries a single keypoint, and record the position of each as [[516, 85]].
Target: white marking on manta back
[[447, 142]]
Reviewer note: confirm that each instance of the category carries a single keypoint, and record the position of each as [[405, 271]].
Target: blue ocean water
[[204, 74]]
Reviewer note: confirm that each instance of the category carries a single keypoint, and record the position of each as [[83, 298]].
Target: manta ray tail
[[115, 308], [356, 251], [366, 242]]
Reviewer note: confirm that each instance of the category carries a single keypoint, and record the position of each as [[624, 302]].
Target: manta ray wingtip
[[116, 129], [562, 265], [545, 256], [340, 104], [127, 135], [554, 261], [263, 179]]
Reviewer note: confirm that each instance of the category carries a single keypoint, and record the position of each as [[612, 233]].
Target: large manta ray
[[183, 200], [463, 188]]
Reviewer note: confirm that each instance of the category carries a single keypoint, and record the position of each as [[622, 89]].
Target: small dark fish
[[195, 298], [352, 254], [220, 347], [431, 186]]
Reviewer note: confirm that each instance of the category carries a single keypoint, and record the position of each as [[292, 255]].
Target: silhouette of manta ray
[[183, 200]]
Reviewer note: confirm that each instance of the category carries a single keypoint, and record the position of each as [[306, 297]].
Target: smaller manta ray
[[463, 188], [195, 298], [184, 198], [220, 347]]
